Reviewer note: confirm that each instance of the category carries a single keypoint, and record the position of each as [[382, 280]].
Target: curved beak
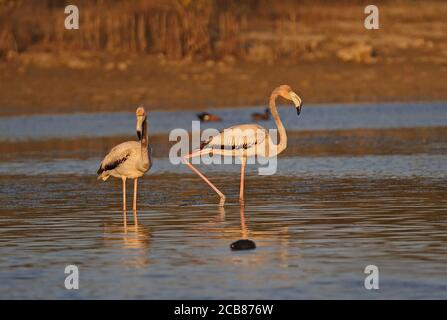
[[297, 101], [139, 128]]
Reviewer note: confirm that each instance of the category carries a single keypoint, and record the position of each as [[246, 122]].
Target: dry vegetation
[[211, 46], [175, 28], [253, 30]]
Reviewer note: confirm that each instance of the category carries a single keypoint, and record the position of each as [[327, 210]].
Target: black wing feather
[[112, 165], [233, 146]]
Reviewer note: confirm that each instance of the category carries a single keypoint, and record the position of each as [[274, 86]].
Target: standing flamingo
[[130, 159], [246, 140]]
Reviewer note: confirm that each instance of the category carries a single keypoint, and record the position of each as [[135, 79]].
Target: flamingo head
[[141, 118], [287, 93]]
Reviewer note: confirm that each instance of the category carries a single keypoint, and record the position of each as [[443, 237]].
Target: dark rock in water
[[243, 244]]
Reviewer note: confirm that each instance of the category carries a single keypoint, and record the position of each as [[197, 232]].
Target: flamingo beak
[[139, 128], [297, 101]]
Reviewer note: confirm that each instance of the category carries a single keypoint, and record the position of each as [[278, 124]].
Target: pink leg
[[135, 182], [124, 201], [241, 191], [185, 161], [135, 218], [124, 193]]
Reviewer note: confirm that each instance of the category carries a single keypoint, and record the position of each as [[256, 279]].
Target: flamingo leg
[[135, 219], [241, 191], [185, 161], [124, 193], [135, 183]]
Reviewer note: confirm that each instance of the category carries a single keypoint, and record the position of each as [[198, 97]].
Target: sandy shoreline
[[60, 90], [326, 55]]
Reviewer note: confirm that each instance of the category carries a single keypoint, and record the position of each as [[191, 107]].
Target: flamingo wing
[[237, 137], [117, 156]]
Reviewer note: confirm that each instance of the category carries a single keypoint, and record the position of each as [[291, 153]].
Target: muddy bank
[[322, 50], [198, 86]]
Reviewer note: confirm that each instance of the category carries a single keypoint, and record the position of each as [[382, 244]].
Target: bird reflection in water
[[278, 239], [244, 243], [134, 240], [218, 225]]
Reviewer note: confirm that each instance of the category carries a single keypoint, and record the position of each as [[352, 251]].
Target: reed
[[175, 28]]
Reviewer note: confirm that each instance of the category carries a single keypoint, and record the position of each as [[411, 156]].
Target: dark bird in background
[[256, 116], [208, 117]]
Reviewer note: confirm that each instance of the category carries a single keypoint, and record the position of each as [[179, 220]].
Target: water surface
[[337, 203], [313, 117], [314, 237]]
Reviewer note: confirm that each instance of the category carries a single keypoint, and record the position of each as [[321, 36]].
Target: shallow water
[[421, 165], [317, 223], [313, 117], [314, 238]]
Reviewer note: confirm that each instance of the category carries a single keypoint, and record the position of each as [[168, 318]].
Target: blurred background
[[192, 54], [362, 181]]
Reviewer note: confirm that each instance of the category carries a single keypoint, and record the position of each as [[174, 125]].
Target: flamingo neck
[[278, 148], [144, 135]]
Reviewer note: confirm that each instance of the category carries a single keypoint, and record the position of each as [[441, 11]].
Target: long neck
[[144, 135], [282, 132]]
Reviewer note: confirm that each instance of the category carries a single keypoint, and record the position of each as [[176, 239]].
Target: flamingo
[[256, 116], [208, 117], [246, 140], [130, 159]]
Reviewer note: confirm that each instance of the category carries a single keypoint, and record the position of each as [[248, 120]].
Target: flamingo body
[[239, 140], [247, 140], [130, 159], [126, 159]]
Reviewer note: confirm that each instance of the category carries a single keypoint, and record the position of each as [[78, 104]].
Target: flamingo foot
[[222, 201]]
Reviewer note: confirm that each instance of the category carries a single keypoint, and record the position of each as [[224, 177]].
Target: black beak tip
[[298, 111], [139, 135]]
